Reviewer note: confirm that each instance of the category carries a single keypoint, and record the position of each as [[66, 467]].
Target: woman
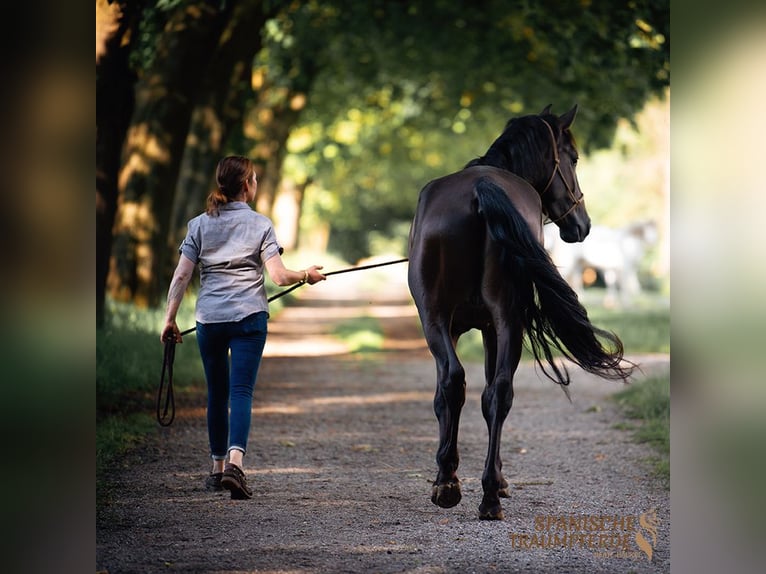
[[232, 244]]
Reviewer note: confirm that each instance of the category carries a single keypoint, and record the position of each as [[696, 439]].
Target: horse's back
[[448, 247], [446, 206]]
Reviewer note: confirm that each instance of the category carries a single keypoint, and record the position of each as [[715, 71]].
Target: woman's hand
[[283, 276], [171, 332], [313, 275]]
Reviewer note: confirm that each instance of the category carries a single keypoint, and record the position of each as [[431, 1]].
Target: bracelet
[[305, 276]]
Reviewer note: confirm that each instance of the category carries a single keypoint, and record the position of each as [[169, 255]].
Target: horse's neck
[[495, 158]]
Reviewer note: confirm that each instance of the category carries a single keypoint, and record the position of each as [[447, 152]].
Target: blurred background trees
[[348, 108]]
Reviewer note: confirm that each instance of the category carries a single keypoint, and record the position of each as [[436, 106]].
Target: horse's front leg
[[448, 403], [496, 401]]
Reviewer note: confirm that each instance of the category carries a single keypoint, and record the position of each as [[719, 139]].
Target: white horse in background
[[616, 252]]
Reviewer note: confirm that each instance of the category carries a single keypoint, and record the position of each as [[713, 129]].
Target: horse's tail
[[551, 313]]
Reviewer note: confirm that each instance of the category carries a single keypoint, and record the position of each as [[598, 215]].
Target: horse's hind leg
[[490, 363], [448, 403], [496, 401]]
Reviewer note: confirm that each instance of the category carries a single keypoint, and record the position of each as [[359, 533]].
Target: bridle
[[557, 170]]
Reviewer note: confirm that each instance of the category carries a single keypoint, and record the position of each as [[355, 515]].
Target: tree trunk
[[165, 99], [287, 213], [228, 88], [272, 154], [115, 83], [273, 123]]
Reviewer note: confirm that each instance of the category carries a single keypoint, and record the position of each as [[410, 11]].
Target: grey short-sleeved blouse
[[230, 250]]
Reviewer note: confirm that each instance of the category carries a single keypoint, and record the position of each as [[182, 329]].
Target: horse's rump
[[447, 239]]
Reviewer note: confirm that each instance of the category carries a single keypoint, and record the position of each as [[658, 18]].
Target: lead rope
[[166, 414], [170, 402]]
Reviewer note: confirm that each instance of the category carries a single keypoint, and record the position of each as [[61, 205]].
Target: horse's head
[[561, 196], [645, 231]]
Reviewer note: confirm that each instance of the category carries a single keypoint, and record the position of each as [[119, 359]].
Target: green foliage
[[362, 334], [649, 402], [129, 358], [407, 92], [150, 27], [115, 436], [627, 181], [641, 330], [391, 94]]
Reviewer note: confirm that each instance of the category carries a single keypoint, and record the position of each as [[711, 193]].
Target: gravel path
[[342, 460]]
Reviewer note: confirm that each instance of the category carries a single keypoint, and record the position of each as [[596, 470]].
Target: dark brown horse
[[477, 262]]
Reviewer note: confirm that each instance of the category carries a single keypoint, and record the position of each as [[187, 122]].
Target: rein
[[166, 413], [557, 170]]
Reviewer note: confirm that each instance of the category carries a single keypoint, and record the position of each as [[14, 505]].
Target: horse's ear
[[568, 118], [546, 111]]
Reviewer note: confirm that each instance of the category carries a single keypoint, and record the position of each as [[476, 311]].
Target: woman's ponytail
[[231, 175]]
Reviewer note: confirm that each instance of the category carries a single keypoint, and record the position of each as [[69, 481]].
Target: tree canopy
[[354, 104]]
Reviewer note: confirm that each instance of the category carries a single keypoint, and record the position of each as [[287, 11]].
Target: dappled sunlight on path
[[305, 328], [341, 461]]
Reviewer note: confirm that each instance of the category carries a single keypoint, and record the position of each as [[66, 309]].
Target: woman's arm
[[181, 278], [283, 276]]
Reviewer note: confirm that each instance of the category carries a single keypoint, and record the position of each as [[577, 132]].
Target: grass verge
[[647, 406], [116, 436], [361, 334]]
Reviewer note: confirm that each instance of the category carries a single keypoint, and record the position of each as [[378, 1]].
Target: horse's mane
[[521, 145]]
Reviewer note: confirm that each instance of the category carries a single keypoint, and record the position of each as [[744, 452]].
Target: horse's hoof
[[503, 491], [446, 495], [491, 512]]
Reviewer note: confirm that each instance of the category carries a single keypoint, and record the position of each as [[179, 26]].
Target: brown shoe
[[213, 481], [234, 480]]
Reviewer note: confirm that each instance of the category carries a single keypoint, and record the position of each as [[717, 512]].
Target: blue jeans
[[231, 379]]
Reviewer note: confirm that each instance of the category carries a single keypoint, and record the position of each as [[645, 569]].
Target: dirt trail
[[342, 459]]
